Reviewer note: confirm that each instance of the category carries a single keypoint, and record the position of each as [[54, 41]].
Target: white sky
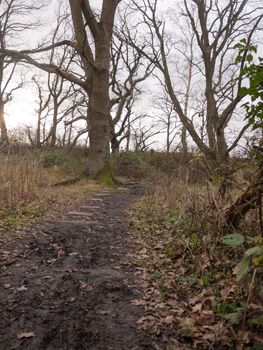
[[21, 110]]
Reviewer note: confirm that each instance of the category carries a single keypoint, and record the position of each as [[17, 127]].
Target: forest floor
[[69, 283]]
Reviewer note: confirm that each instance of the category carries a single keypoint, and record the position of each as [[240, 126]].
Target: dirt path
[[68, 287]]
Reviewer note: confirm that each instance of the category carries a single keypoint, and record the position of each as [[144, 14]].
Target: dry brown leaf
[[227, 290], [197, 298], [193, 318], [7, 285], [146, 322], [209, 336], [26, 335], [22, 289], [256, 307], [104, 312], [138, 302], [197, 307], [169, 320], [85, 286], [206, 317], [61, 253]]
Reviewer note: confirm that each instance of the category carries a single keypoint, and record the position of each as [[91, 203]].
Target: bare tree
[[128, 70], [14, 18], [75, 121], [143, 132], [167, 120], [93, 34], [42, 111], [216, 27], [55, 94], [96, 68]]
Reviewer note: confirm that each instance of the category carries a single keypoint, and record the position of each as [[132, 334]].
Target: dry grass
[[20, 181], [26, 191]]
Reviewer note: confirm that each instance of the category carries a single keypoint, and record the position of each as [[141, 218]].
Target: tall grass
[[190, 202], [20, 180]]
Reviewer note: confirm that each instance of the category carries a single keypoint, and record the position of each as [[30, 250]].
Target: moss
[[105, 177]]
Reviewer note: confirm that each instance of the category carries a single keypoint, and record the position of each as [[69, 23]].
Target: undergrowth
[[188, 275], [26, 186]]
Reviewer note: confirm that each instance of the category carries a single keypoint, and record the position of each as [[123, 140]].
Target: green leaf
[[249, 58], [257, 250], [239, 59], [242, 91], [233, 240], [243, 268]]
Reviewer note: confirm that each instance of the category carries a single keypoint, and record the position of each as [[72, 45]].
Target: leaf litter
[[190, 296]]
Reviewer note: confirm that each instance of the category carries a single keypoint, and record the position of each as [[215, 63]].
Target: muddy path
[[68, 286]]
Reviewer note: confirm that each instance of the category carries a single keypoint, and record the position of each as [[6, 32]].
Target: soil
[[67, 284]]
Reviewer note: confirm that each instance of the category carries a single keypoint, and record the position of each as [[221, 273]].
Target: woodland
[[146, 132]]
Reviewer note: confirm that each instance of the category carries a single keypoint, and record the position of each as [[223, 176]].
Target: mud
[[67, 285]]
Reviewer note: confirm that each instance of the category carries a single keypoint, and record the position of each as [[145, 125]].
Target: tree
[[216, 28], [56, 97], [15, 17], [93, 34], [42, 111], [167, 120], [128, 71], [96, 66], [143, 132], [252, 196]]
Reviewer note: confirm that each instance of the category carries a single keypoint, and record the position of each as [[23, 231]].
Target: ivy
[[253, 72]]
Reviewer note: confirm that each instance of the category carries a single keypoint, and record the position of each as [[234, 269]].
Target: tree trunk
[[38, 131], [115, 145], [221, 146], [99, 126], [168, 136], [96, 66], [53, 131], [4, 140], [184, 142]]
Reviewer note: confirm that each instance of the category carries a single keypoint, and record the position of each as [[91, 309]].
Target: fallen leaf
[[26, 335], [85, 286], [51, 261], [104, 312], [61, 253], [7, 285], [209, 336], [256, 307], [138, 302], [169, 319], [22, 289], [197, 307]]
